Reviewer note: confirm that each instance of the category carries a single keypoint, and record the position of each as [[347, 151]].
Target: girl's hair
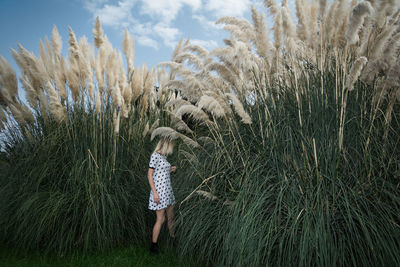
[[165, 146]]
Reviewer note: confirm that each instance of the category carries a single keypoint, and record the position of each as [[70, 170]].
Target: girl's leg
[[170, 216], [159, 222]]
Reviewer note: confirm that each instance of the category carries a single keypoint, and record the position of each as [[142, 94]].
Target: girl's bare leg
[[157, 226], [170, 216]]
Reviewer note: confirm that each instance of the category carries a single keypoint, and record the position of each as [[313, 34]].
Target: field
[[287, 143]]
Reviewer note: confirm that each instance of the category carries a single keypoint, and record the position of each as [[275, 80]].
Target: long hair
[[165, 146]]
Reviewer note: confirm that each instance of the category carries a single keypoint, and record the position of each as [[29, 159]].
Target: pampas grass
[[291, 139], [212, 105], [193, 111], [355, 72], [128, 48], [86, 111], [55, 105], [171, 134], [239, 108], [98, 33], [359, 12]]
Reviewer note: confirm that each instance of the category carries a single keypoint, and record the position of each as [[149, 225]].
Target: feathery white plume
[[239, 108], [355, 72], [171, 134], [56, 41], [193, 111], [98, 33], [128, 46], [359, 12], [211, 105]]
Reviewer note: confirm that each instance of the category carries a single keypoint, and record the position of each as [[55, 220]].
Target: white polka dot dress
[[162, 182]]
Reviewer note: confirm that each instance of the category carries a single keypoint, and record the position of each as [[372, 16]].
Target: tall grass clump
[[291, 154], [74, 157], [298, 161], [63, 188], [281, 192]]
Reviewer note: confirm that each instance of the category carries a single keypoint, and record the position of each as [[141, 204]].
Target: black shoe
[[154, 248]]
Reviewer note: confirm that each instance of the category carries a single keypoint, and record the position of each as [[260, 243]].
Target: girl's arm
[[153, 188], [172, 169]]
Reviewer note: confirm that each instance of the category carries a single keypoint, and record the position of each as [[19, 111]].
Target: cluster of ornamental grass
[[74, 186], [283, 192], [298, 159], [291, 143], [74, 157]]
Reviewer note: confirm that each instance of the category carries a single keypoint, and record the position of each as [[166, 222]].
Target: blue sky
[[157, 25]]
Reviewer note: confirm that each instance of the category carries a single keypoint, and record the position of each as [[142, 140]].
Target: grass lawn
[[135, 255]]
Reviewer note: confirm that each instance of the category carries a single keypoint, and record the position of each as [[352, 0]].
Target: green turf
[[135, 255]]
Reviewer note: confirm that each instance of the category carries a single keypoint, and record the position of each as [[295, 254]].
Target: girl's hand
[[156, 198], [173, 169]]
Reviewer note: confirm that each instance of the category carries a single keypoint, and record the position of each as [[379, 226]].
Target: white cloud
[[228, 7], [167, 33], [141, 28], [147, 41], [92, 5], [207, 23], [118, 15], [209, 44], [151, 21], [167, 10], [161, 14]]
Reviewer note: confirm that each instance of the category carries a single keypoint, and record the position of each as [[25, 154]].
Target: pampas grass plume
[[56, 41], [8, 79], [146, 129], [261, 41], [55, 106], [17, 114], [171, 134], [355, 72], [165, 132], [212, 105], [239, 108], [98, 33], [272, 7], [356, 20], [73, 44], [194, 112], [128, 46]]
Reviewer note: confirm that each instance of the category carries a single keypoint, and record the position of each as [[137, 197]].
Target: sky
[[157, 25]]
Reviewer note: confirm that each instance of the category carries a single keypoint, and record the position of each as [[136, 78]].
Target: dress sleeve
[[153, 161]]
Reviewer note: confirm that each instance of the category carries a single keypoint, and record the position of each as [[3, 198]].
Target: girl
[[161, 195]]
